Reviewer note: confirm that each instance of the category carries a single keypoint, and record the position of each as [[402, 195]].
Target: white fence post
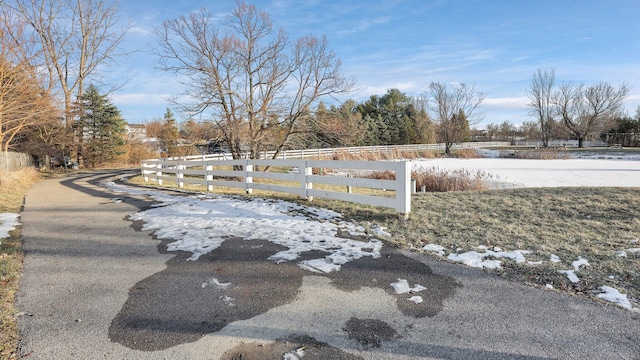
[[180, 175], [306, 171], [143, 172], [403, 190], [159, 172], [208, 173], [248, 179]]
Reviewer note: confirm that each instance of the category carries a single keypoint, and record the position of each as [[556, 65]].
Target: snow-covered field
[[585, 172]]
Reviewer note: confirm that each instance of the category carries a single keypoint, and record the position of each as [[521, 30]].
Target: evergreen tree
[[103, 128], [169, 134], [393, 119]]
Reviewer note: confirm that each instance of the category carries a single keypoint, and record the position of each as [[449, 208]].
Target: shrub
[[437, 180]]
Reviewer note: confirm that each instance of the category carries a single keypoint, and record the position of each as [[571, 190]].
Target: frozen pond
[[547, 173]]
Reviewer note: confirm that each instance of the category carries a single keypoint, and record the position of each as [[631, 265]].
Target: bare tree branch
[[540, 94], [246, 76], [454, 108]]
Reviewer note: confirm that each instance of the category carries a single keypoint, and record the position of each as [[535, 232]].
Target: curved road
[[96, 287]]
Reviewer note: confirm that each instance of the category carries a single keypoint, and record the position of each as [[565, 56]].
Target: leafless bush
[[467, 154], [543, 154], [438, 180]]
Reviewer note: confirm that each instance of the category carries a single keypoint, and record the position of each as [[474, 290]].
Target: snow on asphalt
[[199, 225]]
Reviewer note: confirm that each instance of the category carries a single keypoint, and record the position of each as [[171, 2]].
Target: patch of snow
[[199, 224], [296, 354], [478, 259], [548, 287], [571, 275], [475, 259], [634, 250], [416, 299], [8, 222], [215, 283], [581, 261], [439, 249], [402, 287], [380, 231], [227, 299], [612, 295], [621, 253], [554, 258]]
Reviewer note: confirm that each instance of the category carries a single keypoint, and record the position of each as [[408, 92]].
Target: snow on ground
[[614, 296], [545, 173], [8, 222], [199, 224]]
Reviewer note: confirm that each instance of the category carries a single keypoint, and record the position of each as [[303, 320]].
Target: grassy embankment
[[13, 187]]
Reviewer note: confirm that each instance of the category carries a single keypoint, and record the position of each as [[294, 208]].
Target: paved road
[[96, 287]]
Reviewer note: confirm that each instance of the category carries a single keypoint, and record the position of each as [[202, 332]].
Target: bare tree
[[540, 94], [452, 107], [75, 37], [588, 109], [23, 102], [247, 77]]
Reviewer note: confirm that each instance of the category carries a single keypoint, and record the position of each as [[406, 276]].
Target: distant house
[[136, 132]]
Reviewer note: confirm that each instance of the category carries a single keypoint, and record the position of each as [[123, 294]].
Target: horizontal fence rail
[[327, 153], [299, 180]]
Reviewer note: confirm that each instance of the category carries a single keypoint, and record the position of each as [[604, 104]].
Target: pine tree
[[103, 128], [169, 135]]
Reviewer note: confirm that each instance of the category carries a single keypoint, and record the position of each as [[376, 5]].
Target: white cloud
[[506, 102]]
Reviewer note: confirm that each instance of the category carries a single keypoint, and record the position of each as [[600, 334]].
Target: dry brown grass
[[592, 223], [13, 187], [439, 180], [467, 154], [382, 155], [540, 154]]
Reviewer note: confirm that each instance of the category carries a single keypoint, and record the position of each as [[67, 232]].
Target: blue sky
[[496, 45]]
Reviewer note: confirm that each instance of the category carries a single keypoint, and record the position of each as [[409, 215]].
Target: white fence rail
[[356, 150], [304, 174]]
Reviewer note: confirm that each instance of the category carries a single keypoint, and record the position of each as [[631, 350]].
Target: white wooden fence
[[217, 170], [213, 173], [326, 153]]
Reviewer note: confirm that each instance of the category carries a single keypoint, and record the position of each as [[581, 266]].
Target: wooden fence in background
[[12, 160]]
